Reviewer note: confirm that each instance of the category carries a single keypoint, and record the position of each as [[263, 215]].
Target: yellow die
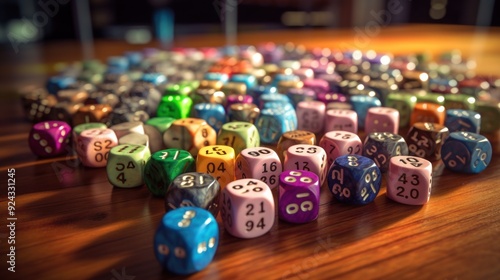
[[189, 134], [217, 161]]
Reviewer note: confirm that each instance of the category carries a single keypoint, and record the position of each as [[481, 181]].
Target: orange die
[[190, 134], [217, 161], [428, 112], [294, 137], [91, 113]]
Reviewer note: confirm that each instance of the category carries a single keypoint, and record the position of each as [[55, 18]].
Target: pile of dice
[[189, 124]]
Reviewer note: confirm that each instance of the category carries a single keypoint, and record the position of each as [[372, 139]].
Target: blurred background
[[134, 21]]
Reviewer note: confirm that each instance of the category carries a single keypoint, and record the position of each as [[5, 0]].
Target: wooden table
[[77, 226]]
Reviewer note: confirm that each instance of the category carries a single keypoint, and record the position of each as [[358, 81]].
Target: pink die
[[93, 146], [298, 196], [382, 119], [338, 143], [317, 85], [341, 119], [310, 116], [49, 138], [306, 157], [409, 180], [259, 163], [247, 208]]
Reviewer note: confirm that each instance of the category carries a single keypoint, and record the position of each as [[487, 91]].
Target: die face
[[125, 128], [213, 114], [466, 152], [381, 146], [404, 103], [49, 138], [341, 119], [81, 127], [164, 166], [428, 112], [425, 140], [194, 189], [272, 123], [338, 143], [354, 179], [247, 208], [189, 134], [410, 180], [218, 161], [311, 116], [294, 137], [361, 104], [243, 112], [462, 120], [174, 106], [135, 139], [308, 158], [93, 146], [186, 240], [259, 163], [298, 196], [125, 165], [239, 135], [382, 119]]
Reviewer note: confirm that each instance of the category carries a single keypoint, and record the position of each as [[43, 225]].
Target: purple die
[[237, 98], [297, 95], [298, 196], [328, 97], [318, 85], [49, 138]]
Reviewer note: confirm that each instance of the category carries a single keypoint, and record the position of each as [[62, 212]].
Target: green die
[[162, 168], [126, 165], [459, 101], [239, 135], [490, 114], [428, 97], [178, 89], [404, 103], [160, 123], [175, 106]]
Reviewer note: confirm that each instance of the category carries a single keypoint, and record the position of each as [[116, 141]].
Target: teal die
[[466, 152]]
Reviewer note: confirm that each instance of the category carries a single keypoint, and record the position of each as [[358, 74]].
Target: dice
[[175, 106], [338, 143], [306, 157], [361, 104], [428, 112], [311, 116], [298, 196], [218, 161], [186, 240], [194, 189], [125, 128], [466, 152], [382, 119], [259, 163], [190, 134], [341, 119], [404, 103], [247, 208], [410, 180], [93, 146], [381, 146], [273, 122], [125, 165], [49, 138], [294, 137], [213, 114], [239, 135], [91, 113], [164, 166], [354, 179], [425, 140], [243, 112], [462, 120]]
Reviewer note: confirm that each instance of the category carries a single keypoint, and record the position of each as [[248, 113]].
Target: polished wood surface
[[72, 224]]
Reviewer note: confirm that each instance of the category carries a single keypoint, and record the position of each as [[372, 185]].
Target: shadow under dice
[[259, 163], [247, 208], [218, 161], [307, 157], [466, 152], [194, 189], [93, 146], [186, 240], [354, 179], [409, 180], [49, 138], [164, 166], [338, 143], [298, 196], [381, 146], [425, 140], [126, 165]]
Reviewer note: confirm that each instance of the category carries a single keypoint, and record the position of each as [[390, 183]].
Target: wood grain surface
[[72, 224]]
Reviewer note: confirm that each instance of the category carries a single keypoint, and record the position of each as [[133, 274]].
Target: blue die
[[258, 91], [361, 104], [273, 97], [214, 76], [186, 240], [249, 80], [56, 83], [134, 58], [273, 122], [462, 120], [117, 64], [466, 152], [354, 179], [213, 114], [284, 77], [154, 78]]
